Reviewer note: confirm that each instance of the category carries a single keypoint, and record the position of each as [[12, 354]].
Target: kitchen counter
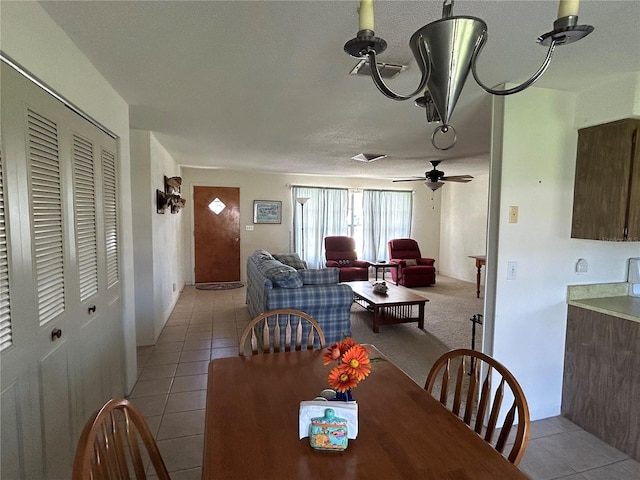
[[609, 298], [602, 354]]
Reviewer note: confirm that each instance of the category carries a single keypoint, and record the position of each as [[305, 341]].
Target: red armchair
[[413, 269], [340, 252]]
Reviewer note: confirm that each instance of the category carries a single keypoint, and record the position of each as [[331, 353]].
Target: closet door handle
[[92, 309], [55, 334]]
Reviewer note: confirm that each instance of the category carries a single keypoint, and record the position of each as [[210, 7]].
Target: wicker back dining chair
[[281, 329], [116, 443], [471, 398]]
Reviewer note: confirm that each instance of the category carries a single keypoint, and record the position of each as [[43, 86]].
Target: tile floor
[[171, 389]]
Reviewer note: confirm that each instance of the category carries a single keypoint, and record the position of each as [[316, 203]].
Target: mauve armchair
[[340, 252], [413, 269]]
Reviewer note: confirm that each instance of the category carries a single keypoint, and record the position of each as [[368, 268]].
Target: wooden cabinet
[[606, 197], [601, 383]]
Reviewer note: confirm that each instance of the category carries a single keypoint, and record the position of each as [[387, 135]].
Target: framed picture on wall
[[267, 211]]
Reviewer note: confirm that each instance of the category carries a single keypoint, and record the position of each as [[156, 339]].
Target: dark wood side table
[[383, 265], [480, 261]]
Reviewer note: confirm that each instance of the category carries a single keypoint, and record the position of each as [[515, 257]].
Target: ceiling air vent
[[368, 157], [387, 70]]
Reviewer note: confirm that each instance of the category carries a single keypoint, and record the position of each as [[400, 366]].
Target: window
[[371, 217], [386, 214], [354, 219], [324, 214]]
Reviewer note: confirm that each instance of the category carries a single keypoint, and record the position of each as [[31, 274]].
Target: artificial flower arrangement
[[353, 364]]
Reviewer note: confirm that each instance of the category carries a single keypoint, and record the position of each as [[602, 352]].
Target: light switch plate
[[513, 214]]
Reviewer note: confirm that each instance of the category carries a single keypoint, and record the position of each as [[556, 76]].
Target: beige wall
[[277, 238]]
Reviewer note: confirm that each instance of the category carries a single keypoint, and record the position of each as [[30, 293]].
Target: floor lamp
[[302, 201]]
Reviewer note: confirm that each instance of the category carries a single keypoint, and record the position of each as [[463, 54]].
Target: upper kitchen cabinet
[[606, 197]]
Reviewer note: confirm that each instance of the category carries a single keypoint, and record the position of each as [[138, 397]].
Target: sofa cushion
[[291, 259], [260, 255], [280, 274], [319, 276]]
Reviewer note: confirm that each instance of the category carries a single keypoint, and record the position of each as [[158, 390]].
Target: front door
[[216, 218]]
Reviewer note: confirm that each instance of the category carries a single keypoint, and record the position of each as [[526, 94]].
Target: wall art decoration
[[267, 211]]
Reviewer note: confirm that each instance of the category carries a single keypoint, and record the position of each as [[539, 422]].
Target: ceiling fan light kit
[[434, 178], [433, 186], [446, 50]]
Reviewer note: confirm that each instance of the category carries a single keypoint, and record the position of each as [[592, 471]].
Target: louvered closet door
[[95, 207], [5, 305], [49, 222], [60, 317]]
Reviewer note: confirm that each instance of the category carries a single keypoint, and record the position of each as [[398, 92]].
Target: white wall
[[615, 99], [463, 229], [142, 235], [537, 172], [276, 238], [32, 39], [157, 238], [168, 276]]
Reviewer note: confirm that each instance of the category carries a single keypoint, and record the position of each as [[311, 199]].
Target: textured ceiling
[[265, 86]]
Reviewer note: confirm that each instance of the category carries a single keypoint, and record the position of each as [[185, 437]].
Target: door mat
[[219, 285]]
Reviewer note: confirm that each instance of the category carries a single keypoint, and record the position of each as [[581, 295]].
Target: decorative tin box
[[328, 432]]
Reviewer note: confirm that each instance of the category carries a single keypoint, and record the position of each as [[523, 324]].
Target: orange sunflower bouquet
[[353, 365]]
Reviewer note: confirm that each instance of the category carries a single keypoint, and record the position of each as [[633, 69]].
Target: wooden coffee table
[[396, 306]]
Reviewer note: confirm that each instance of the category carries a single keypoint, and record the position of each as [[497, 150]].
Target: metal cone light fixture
[[446, 50]]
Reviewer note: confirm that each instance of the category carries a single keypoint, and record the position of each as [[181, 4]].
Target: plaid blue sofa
[[272, 284]]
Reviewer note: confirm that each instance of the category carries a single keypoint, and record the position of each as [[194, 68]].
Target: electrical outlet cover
[[512, 270], [582, 266]]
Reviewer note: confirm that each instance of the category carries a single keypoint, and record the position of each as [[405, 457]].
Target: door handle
[[92, 309], [55, 334]]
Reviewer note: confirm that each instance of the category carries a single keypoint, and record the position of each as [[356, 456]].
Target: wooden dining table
[[251, 429]]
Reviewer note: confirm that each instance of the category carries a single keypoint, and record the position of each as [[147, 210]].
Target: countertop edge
[[628, 309]]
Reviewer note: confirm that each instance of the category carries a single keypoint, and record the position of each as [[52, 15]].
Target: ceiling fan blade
[[416, 179], [457, 178]]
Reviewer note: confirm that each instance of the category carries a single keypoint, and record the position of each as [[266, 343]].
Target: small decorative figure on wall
[[172, 185], [177, 203], [162, 201], [171, 195]]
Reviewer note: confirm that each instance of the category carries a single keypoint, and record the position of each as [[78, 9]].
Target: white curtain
[[325, 214], [386, 215]]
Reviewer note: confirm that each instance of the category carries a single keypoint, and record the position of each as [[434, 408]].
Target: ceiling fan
[[434, 179]]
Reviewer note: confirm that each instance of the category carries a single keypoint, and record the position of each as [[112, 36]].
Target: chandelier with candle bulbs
[[446, 50]]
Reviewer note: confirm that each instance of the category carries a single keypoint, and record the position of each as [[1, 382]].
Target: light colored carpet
[[447, 326]]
